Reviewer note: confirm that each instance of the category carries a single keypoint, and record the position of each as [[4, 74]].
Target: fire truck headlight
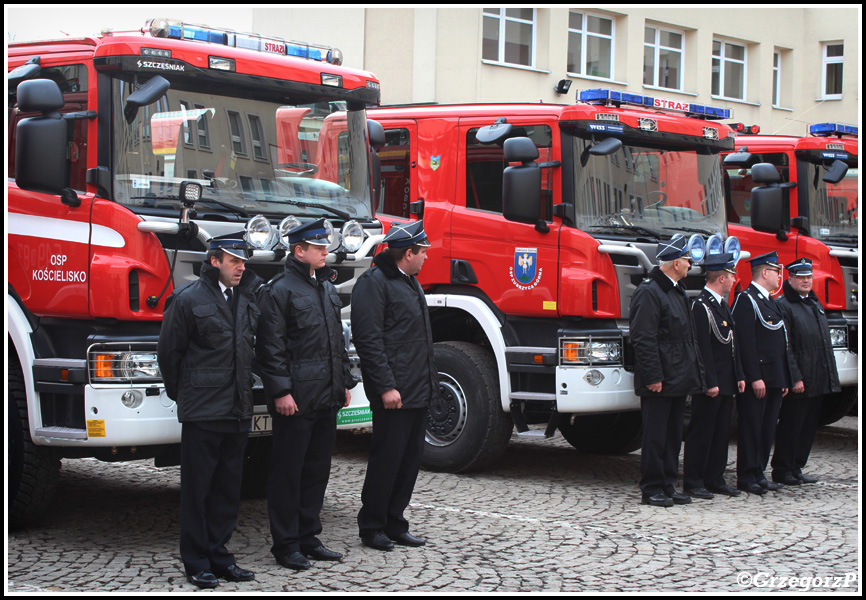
[[111, 363], [353, 236], [333, 236], [697, 248], [715, 245], [132, 399], [593, 377], [332, 80], [585, 352], [839, 337], [260, 233], [286, 225], [732, 245], [190, 191], [139, 364]]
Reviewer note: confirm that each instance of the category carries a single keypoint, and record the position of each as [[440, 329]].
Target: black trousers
[[795, 433], [660, 445], [210, 491], [300, 469], [395, 459], [756, 428], [706, 448]]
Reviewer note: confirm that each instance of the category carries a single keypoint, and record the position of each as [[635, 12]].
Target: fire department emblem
[[525, 273], [435, 161]]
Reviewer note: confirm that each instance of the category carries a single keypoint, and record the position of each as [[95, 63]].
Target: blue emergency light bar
[[608, 97], [825, 129], [163, 28]]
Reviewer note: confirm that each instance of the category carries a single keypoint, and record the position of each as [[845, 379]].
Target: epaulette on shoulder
[[178, 291]]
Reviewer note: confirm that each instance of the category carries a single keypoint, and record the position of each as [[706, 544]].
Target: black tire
[[467, 429], [33, 471], [836, 406], [615, 433]]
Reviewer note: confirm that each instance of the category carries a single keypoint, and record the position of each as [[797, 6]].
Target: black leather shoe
[[786, 479], [407, 539], [752, 488], [322, 553], [702, 493], [235, 573], [725, 490], [769, 485], [294, 560], [680, 498], [377, 540], [806, 478], [657, 500], [203, 579]]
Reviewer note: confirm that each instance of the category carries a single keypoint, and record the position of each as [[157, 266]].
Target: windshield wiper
[[690, 230], [635, 228], [336, 211], [232, 207]]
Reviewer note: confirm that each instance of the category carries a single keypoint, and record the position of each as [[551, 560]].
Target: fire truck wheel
[[33, 471], [466, 428], [616, 433], [835, 406]]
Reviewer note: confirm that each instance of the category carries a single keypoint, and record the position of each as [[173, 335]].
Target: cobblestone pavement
[[545, 518]]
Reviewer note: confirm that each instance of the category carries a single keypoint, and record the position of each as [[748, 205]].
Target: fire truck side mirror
[[521, 184], [770, 210], [835, 172], [41, 164], [150, 92]]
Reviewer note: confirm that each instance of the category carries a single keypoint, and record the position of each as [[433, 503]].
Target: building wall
[[435, 55]]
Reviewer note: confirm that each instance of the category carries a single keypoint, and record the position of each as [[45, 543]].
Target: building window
[[777, 79], [239, 144], [832, 76], [509, 36], [203, 129], [663, 58], [257, 134], [590, 45], [729, 70]]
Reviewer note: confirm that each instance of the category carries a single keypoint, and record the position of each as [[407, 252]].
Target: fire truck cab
[[128, 152], [543, 219], [813, 213]]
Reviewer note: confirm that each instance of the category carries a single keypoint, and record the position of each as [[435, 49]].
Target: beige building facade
[[781, 68]]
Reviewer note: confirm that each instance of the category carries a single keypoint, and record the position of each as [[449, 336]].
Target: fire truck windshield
[[833, 210], [251, 155], [639, 190]]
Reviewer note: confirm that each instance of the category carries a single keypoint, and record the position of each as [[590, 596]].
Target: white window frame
[[777, 78], [503, 20], [657, 47], [723, 60], [584, 33], [826, 62]]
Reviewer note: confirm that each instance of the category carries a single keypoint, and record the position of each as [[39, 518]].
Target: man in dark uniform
[[813, 372], [706, 447], [391, 329], [205, 355], [760, 331], [304, 367], [667, 369]]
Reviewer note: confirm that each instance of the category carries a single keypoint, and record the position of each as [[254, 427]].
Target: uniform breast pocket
[[303, 312], [211, 329]]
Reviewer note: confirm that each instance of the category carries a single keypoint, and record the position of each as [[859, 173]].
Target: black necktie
[[229, 295]]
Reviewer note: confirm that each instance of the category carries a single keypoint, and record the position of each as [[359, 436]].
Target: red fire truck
[[127, 153], [543, 219], [815, 215]]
